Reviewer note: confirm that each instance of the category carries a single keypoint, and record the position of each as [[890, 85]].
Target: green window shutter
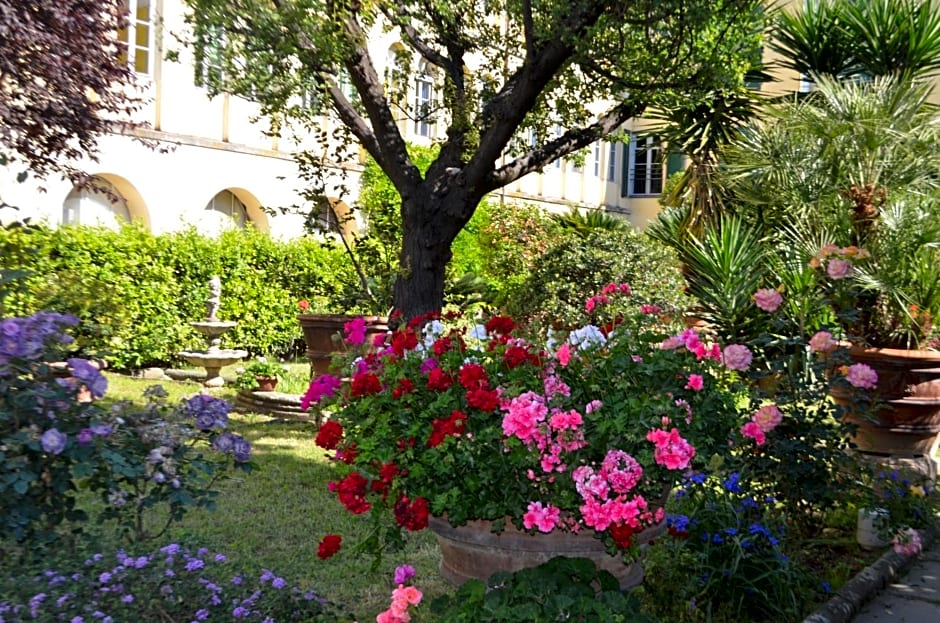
[[675, 162]]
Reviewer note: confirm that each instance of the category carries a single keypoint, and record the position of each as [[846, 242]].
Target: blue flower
[[53, 441], [731, 484]]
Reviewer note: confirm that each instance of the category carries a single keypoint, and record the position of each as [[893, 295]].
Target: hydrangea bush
[[56, 439]]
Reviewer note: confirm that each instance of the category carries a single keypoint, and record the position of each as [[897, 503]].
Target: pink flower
[[737, 357], [822, 342], [650, 309], [355, 331], [767, 418], [545, 518], [593, 406], [672, 451], [408, 594], [324, 385], [838, 269], [566, 420], [696, 382], [767, 299], [861, 375], [563, 354], [523, 414], [907, 542], [752, 430]]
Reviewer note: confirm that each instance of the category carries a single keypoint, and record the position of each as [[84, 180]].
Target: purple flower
[[202, 614], [240, 612], [279, 583], [89, 375], [241, 449], [403, 573], [220, 558], [101, 430], [171, 549], [128, 598], [53, 441], [208, 411], [85, 436], [194, 564], [224, 442]]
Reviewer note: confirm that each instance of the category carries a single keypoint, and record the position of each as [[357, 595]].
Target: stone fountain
[[214, 358]]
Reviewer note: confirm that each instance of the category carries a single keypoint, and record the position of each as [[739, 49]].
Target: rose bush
[[587, 432]]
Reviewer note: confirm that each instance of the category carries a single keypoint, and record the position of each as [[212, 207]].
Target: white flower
[[587, 337], [478, 332]]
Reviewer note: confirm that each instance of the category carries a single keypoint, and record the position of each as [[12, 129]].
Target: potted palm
[[846, 180]]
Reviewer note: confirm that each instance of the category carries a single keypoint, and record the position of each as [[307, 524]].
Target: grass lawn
[[275, 517]]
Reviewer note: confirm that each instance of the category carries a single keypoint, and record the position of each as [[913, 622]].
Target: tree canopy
[[518, 84], [63, 81]]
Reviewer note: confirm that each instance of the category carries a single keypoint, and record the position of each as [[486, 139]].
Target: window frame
[[128, 35], [651, 148]]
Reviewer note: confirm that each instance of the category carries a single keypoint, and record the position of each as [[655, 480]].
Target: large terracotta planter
[[907, 426], [474, 551], [323, 335]]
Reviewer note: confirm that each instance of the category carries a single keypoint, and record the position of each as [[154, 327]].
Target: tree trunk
[[429, 226]]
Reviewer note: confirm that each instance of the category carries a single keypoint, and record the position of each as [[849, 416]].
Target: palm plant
[[855, 164]]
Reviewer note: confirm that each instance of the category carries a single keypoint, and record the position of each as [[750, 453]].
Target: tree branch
[[570, 141]]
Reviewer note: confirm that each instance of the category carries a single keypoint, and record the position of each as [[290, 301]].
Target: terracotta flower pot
[[474, 551], [266, 383], [323, 335], [907, 426]]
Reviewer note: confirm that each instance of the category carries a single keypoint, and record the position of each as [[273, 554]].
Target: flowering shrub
[[732, 536], [587, 432], [171, 583], [54, 437]]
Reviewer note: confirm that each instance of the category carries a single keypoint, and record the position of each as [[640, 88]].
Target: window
[[612, 163], [210, 60], [646, 166], [597, 159], [424, 93], [96, 203], [227, 210], [557, 162], [136, 36]]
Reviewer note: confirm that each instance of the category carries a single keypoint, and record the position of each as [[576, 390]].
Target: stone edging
[[845, 604]]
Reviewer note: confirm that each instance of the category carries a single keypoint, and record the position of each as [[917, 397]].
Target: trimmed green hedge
[[135, 292]]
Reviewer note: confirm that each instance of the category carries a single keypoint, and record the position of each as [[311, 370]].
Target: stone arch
[[334, 216]]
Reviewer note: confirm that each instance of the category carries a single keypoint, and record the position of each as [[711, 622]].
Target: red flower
[[516, 356], [405, 386], [438, 380], [329, 435], [351, 492], [410, 515], [404, 340], [483, 399], [442, 427], [329, 545], [473, 376], [442, 345], [500, 324], [623, 534], [303, 304], [347, 454], [365, 384], [387, 474]]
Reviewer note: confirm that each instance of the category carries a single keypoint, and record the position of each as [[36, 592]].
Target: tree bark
[[429, 225]]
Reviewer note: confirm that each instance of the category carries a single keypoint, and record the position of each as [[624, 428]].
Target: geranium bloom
[[438, 380], [473, 376], [767, 299], [404, 573], [411, 514], [482, 399], [822, 342], [907, 542], [672, 451], [861, 375], [563, 354], [323, 386], [737, 357], [545, 518], [329, 545], [351, 492], [329, 435], [500, 324], [523, 413], [696, 382], [767, 417], [365, 384], [355, 331], [752, 430]]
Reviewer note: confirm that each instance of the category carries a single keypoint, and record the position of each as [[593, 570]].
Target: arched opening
[[232, 208], [105, 200]]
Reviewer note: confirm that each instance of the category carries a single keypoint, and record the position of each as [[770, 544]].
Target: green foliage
[[576, 267], [562, 589], [135, 293], [260, 367], [730, 540]]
